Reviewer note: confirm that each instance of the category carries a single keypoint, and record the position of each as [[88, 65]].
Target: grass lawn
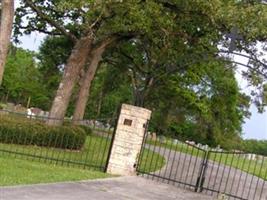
[[151, 161], [238, 161], [93, 155], [55, 165], [15, 171]]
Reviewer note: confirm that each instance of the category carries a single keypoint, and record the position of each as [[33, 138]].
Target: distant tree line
[[255, 146]]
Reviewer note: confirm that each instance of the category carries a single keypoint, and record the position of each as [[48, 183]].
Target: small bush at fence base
[[87, 129], [14, 131]]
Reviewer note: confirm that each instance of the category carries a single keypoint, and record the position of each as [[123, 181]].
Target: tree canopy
[[23, 80], [172, 57]]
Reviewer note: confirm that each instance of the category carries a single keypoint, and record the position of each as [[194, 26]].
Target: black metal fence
[[28, 137], [235, 175]]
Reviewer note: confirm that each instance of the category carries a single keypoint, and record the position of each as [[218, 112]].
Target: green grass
[[181, 147], [235, 160], [53, 165], [15, 171], [240, 162], [94, 153], [151, 161]]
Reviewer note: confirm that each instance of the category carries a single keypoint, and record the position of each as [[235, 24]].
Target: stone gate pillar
[[128, 139]]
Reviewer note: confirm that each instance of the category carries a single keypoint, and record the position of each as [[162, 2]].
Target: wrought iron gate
[[236, 175]]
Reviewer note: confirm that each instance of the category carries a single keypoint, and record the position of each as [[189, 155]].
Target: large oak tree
[[90, 25]]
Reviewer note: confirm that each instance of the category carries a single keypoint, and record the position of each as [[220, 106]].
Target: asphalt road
[[122, 188]]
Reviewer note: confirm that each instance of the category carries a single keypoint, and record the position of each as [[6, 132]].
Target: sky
[[254, 128]]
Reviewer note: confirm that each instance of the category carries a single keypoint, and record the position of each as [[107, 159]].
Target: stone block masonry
[[128, 139]]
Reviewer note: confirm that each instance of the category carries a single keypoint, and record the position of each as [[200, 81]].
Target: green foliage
[[86, 129], [206, 105], [23, 132], [23, 80], [108, 92], [200, 102], [185, 131], [255, 146], [174, 44]]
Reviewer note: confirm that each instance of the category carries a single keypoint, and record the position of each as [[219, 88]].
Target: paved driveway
[[185, 168], [122, 188]]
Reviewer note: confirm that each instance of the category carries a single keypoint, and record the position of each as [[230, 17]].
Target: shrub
[[2, 106], [15, 131], [87, 129]]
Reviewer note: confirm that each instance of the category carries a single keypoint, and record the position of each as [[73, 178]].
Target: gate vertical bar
[[202, 172], [142, 148]]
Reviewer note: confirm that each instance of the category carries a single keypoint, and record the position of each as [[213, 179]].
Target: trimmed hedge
[[24, 132], [87, 129]]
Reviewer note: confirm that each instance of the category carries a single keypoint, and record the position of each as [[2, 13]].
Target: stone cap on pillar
[[138, 111]]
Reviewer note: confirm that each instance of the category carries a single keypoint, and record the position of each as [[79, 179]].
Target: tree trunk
[[140, 96], [139, 99], [87, 80], [74, 65], [7, 15]]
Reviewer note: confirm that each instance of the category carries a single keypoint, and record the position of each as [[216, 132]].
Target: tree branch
[[107, 41], [40, 30], [254, 58], [132, 60], [51, 21]]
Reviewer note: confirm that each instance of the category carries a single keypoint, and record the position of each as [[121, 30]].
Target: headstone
[[190, 142], [36, 111], [41, 114], [89, 122], [29, 112], [154, 136], [149, 135], [46, 114], [251, 156], [175, 141], [10, 106], [222, 196], [107, 126], [260, 158], [205, 147], [18, 108], [162, 139]]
